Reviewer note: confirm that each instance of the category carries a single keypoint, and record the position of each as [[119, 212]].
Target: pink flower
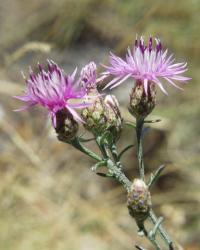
[[88, 75], [54, 90], [147, 64], [89, 78]]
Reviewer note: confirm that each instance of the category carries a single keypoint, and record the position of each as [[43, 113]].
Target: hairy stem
[[115, 155], [119, 175], [164, 235]]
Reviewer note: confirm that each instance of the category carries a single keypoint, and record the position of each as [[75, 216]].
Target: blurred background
[[49, 198]]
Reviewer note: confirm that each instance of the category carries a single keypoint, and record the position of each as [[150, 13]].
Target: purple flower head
[[88, 77], [146, 63], [54, 90]]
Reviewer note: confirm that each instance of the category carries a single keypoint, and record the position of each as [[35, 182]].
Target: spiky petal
[[54, 90], [146, 63], [88, 77]]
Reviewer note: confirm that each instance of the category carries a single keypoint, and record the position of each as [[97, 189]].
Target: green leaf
[[106, 138], [130, 124], [155, 176], [124, 150], [98, 165], [86, 140]]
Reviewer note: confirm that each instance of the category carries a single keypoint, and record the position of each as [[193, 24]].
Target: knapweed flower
[[89, 75], [54, 90], [147, 64], [89, 78]]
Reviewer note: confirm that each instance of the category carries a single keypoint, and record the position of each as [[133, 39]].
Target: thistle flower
[[54, 90], [148, 64], [88, 75], [89, 78]]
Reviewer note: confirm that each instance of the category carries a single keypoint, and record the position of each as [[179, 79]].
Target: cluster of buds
[[139, 200], [142, 102], [102, 115]]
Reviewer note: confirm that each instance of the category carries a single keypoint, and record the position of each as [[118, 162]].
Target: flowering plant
[[148, 66]]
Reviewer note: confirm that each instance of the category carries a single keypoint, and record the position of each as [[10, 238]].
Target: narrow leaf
[[130, 124], [124, 150], [86, 140], [155, 176]]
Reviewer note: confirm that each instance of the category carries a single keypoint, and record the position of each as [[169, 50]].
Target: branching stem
[[115, 170]]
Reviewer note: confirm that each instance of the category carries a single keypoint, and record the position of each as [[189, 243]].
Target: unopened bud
[[94, 116], [113, 114], [66, 126], [88, 77], [142, 102], [103, 115], [139, 200]]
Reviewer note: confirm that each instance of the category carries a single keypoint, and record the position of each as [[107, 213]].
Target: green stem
[[139, 127], [142, 229], [76, 143], [102, 147], [119, 175], [164, 235], [154, 219], [115, 156]]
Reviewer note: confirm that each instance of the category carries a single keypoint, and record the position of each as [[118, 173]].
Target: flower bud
[[142, 102], [113, 115], [66, 127], [88, 77], [139, 200], [103, 115], [94, 116]]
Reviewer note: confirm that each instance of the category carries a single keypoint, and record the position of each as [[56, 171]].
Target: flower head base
[[102, 115], [53, 89], [142, 104], [113, 114], [66, 125], [146, 63], [139, 200], [94, 116]]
